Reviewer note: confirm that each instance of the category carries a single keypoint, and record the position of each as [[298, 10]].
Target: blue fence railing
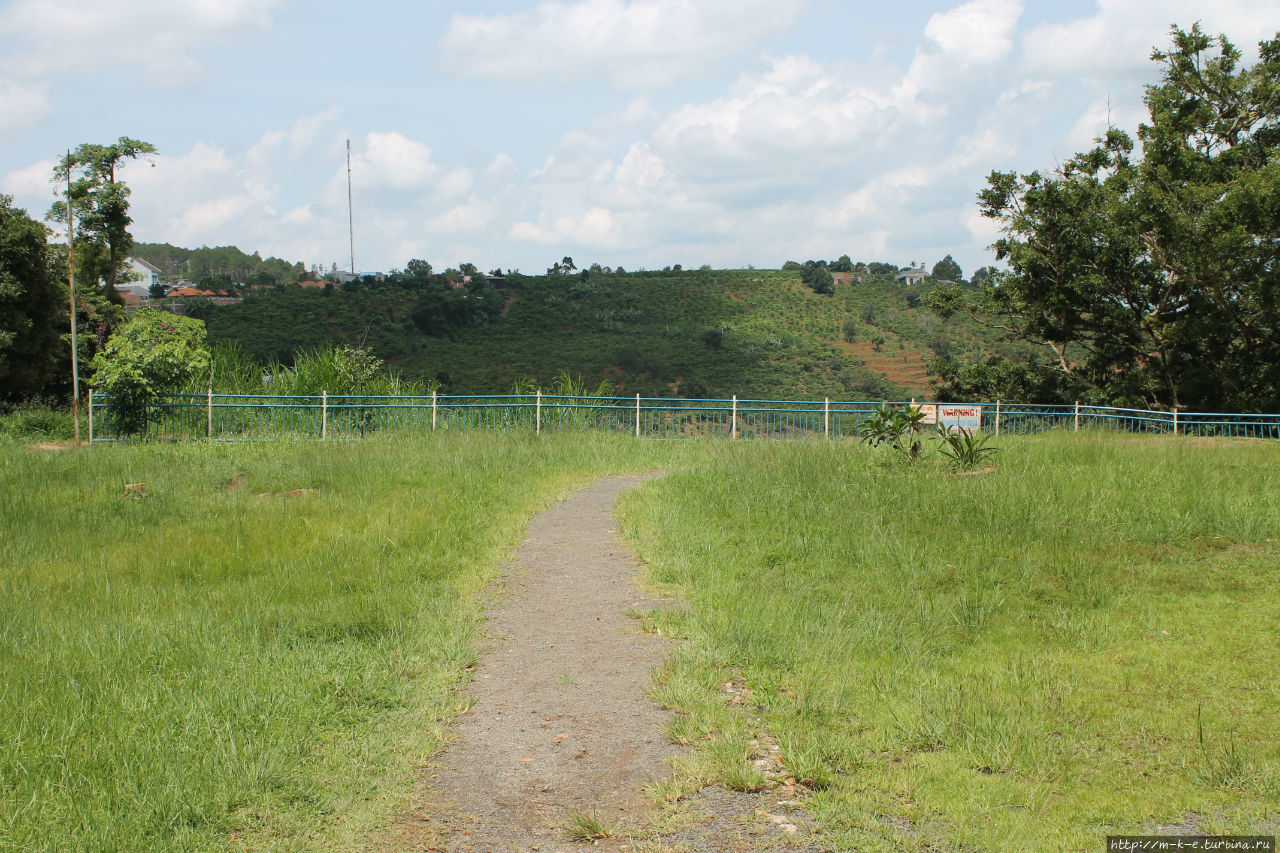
[[249, 417]]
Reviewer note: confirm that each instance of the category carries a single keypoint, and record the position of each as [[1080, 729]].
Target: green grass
[[205, 668], [1078, 643], [1081, 642], [584, 827], [36, 421]]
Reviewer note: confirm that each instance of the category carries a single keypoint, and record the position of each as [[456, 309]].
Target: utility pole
[[351, 228], [71, 287]]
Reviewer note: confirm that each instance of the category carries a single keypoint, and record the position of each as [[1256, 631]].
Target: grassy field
[[262, 647], [1081, 642]]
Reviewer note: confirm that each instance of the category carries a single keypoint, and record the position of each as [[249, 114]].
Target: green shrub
[[154, 353]]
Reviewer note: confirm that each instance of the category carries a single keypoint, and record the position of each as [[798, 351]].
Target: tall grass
[[260, 647], [1081, 642], [37, 420], [337, 370]]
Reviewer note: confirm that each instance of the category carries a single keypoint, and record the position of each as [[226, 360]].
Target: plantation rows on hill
[[703, 333]]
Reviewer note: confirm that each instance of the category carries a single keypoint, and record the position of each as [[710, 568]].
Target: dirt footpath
[[560, 723]]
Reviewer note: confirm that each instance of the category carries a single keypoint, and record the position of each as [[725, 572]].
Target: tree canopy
[[947, 270], [31, 305], [100, 204], [1152, 278], [154, 353]]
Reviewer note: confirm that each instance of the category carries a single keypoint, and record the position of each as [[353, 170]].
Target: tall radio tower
[[351, 228]]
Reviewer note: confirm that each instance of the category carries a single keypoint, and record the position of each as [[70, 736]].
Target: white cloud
[[393, 163], [300, 215], [30, 183], [154, 37], [985, 231], [794, 115], [801, 156], [21, 106], [979, 32], [1093, 122], [1116, 41], [596, 227], [636, 44], [302, 134], [971, 39]]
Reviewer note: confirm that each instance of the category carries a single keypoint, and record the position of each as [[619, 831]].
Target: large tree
[[100, 203], [947, 270], [32, 306], [1153, 278]]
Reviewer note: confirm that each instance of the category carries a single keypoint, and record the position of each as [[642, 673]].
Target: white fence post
[[90, 416], [1077, 429], [826, 418], [997, 416], [324, 414], [537, 429], [733, 428], [637, 416], [209, 409], [433, 410]]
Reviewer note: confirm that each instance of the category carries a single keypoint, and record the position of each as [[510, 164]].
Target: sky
[[633, 133]]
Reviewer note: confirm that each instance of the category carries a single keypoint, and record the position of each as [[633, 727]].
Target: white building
[[138, 276], [912, 274]]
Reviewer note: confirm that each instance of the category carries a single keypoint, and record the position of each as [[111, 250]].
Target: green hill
[[697, 333]]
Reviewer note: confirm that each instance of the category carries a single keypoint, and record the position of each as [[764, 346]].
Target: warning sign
[[954, 417]]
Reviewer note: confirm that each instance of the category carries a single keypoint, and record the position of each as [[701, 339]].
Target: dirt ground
[[560, 724]]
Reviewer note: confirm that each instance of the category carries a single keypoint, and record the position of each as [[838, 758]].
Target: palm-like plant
[[966, 449], [896, 427]]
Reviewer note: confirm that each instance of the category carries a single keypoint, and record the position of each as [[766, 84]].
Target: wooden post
[[997, 416], [433, 410], [209, 410], [1175, 420], [90, 416], [537, 429], [1077, 429], [733, 428], [826, 418], [324, 414], [637, 415]]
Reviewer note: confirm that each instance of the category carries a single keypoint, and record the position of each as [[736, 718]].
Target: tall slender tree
[[100, 203]]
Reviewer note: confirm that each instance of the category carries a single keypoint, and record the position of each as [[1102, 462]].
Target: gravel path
[[560, 723]]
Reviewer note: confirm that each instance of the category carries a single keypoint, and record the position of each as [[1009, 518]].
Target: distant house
[[138, 276], [497, 282], [842, 278], [912, 274], [342, 276]]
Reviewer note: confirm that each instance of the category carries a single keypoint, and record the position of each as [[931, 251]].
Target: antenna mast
[[351, 228]]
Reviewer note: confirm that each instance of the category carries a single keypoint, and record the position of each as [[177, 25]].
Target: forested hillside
[[226, 265], [703, 333]]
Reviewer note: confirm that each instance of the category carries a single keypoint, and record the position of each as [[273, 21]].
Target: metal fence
[[261, 417]]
